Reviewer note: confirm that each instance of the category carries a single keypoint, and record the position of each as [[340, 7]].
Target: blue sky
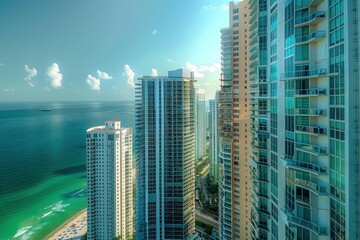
[[66, 50]]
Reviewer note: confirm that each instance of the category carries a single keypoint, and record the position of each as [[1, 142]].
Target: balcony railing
[[311, 148], [310, 37], [310, 111], [311, 129], [303, 166], [312, 18], [312, 73], [310, 92], [314, 187], [304, 223], [300, 4]]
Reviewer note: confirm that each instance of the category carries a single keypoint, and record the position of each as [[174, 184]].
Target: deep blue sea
[[43, 159]]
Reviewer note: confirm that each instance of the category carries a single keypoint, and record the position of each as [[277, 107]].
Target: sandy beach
[[74, 228]]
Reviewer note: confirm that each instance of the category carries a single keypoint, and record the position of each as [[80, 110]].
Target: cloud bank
[[30, 74], [129, 73], [199, 71], [55, 76], [93, 82], [223, 7], [154, 72], [103, 75]]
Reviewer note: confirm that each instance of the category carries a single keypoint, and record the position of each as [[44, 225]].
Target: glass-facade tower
[[165, 178], [305, 82]]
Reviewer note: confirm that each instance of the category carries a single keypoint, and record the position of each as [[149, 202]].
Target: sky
[[94, 50]]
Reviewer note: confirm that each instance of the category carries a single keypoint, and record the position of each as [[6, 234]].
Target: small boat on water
[[45, 109]]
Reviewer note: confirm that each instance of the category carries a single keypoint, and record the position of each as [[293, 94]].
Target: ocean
[[43, 161]]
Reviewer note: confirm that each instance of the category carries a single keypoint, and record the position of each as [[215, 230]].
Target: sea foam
[[21, 231]]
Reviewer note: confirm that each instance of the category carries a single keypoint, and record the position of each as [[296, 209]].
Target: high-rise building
[[214, 137], [200, 124], [234, 128], [304, 74], [165, 145], [109, 180]]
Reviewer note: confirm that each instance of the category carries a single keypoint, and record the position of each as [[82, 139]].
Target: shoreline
[[69, 222]]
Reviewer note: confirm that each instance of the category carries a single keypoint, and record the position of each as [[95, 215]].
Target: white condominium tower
[[214, 137], [304, 74], [200, 124], [165, 144], [109, 180]]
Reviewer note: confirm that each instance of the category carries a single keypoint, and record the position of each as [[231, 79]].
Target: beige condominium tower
[[234, 127]]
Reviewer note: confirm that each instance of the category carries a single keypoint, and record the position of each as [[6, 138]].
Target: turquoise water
[[42, 162]]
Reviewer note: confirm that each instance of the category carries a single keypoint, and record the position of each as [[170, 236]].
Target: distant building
[[214, 137], [165, 144], [109, 180], [200, 124]]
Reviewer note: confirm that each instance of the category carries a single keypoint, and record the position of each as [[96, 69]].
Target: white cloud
[[55, 75], [169, 60], [154, 32], [9, 90], [129, 73], [154, 72], [30, 74], [103, 75], [93, 82], [199, 71], [223, 7]]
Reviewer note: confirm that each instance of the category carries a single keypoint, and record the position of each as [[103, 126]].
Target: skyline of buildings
[[109, 181], [165, 150], [284, 129]]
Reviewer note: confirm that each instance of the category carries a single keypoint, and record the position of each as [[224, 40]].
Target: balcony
[[255, 95], [312, 73], [253, 84], [311, 186], [313, 18], [312, 149], [313, 130], [312, 37], [310, 92], [253, 48], [310, 111], [320, 231], [303, 166], [257, 144], [254, 55], [300, 4]]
